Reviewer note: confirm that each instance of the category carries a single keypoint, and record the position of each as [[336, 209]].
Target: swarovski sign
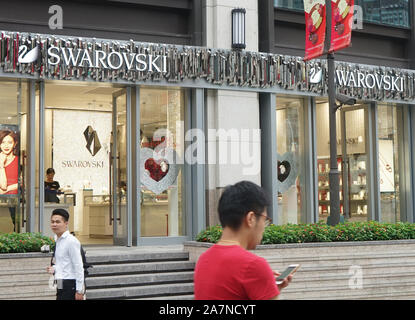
[[80, 59], [113, 60], [379, 81]]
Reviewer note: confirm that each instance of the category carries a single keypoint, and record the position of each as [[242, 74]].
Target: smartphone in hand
[[290, 270]]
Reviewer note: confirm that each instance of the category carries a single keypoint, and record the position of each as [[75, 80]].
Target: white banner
[[81, 145]]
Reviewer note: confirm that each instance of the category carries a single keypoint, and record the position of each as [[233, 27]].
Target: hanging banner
[[342, 12], [315, 20]]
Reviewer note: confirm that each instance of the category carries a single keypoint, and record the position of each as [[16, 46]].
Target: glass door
[[119, 177], [354, 164], [75, 166]]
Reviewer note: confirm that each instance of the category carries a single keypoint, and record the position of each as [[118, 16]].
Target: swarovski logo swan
[[316, 75], [28, 57]]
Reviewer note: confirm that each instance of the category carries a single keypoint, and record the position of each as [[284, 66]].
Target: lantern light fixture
[[238, 28]]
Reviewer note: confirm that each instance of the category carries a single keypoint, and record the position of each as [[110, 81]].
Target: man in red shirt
[[227, 270]]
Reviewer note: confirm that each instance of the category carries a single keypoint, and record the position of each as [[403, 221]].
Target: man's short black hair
[[239, 199], [61, 212], [50, 170]]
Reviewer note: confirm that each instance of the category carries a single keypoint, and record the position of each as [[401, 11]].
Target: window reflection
[[388, 12]]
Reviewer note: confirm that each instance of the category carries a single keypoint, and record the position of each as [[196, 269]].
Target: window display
[[162, 143], [290, 157], [13, 115], [389, 156]]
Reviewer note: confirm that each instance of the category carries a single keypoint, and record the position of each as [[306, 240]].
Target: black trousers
[[68, 290]]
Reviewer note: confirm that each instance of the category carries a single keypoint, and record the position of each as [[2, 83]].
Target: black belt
[[62, 284]]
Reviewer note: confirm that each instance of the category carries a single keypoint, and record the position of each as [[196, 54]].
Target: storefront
[[374, 148], [114, 119]]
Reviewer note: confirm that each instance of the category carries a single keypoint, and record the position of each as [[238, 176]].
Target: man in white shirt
[[68, 268]]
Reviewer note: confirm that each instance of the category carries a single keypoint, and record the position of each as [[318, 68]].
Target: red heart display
[[155, 168]]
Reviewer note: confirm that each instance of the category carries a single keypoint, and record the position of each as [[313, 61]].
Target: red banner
[[342, 12], [315, 20]]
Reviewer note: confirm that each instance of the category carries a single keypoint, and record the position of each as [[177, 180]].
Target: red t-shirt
[[233, 273]]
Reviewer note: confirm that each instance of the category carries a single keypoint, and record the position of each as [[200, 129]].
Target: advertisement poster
[[315, 20], [342, 22], [9, 159], [386, 168], [81, 149]]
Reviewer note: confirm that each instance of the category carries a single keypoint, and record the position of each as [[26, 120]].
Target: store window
[[389, 169], [290, 157], [13, 120], [162, 158], [290, 4], [351, 130], [387, 12]]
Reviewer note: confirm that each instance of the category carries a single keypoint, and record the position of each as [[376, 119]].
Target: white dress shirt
[[68, 260]]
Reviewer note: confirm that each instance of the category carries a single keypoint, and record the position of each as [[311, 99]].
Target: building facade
[[146, 113]]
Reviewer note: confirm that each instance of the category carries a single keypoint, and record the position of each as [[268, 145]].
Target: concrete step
[[141, 291], [25, 291], [139, 279], [346, 264], [396, 296], [11, 265], [367, 269], [345, 248], [10, 285], [132, 268], [340, 259], [341, 280], [385, 288], [21, 276], [51, 297], [136, 257], [20, 271]]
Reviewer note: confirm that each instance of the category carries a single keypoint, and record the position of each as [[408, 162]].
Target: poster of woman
[[9, 160]]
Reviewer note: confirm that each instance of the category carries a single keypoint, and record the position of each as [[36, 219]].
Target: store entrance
[[352, 148], [87, 159], [353, 163]]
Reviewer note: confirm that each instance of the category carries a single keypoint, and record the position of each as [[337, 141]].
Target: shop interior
[[351, 158], [78, 143]]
